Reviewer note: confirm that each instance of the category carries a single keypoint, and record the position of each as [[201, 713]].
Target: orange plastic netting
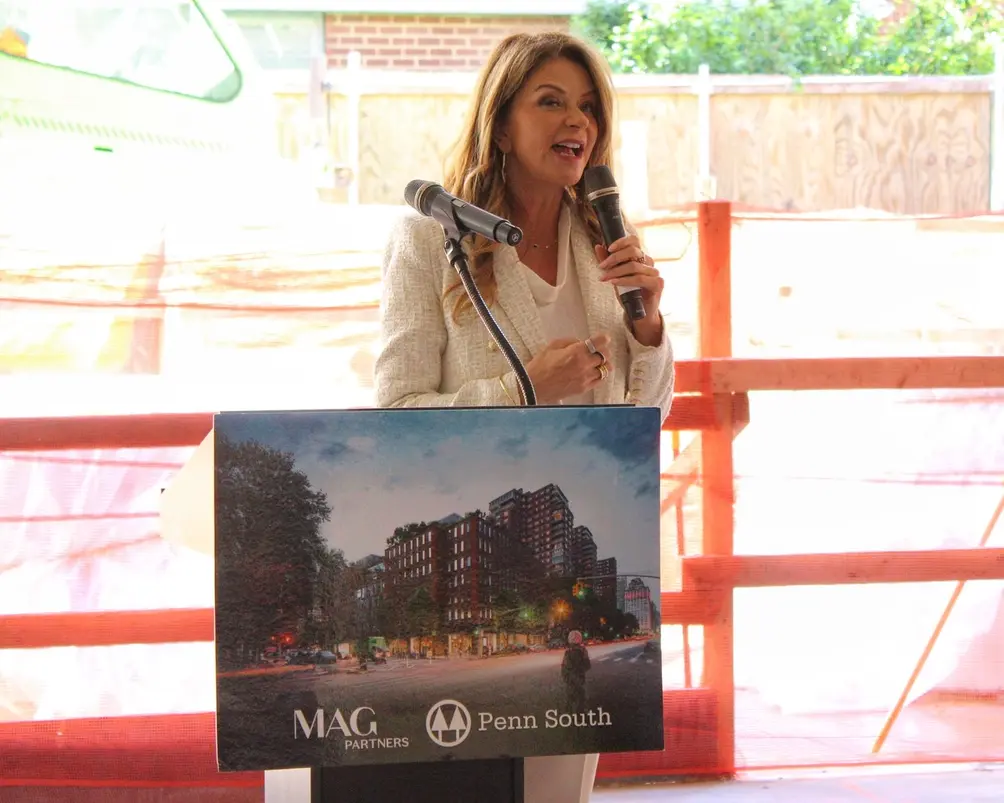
[[272, 316]]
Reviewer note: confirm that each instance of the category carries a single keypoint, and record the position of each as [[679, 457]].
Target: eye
[[589, 107], [550, 101]]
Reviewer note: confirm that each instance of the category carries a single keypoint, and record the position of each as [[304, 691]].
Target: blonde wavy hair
[[474, 169]]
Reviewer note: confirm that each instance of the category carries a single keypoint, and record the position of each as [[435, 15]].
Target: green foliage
[[422, 612], [510, 612], [335, 615], [794, 37], [600, 618], [603, 16], [630, 624], [269, 548], [944, 39]]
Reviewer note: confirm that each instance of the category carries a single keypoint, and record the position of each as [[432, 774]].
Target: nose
[[578, 118]]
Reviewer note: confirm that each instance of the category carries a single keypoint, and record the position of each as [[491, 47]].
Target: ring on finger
[[602, 368], [593, 350]]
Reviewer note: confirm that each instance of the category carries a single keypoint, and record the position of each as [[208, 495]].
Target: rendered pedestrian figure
[[574, 666]]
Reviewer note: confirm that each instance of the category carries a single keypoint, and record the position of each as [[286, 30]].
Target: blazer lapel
[[596, 297], [516, 300], [592, 289]]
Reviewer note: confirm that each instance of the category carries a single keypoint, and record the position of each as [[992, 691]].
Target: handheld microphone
[[604, 197], [433, 201]]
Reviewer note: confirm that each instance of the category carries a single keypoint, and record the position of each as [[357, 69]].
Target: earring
[[503, 166]]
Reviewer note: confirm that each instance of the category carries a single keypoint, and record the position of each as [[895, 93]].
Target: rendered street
[[624, 681]]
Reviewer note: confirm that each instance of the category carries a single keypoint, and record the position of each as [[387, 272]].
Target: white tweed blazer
[[428, 359]]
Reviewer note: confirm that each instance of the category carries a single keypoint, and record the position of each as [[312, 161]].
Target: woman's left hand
[[626, 265]]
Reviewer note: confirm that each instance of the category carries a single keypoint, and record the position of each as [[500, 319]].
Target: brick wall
[[424, 42]]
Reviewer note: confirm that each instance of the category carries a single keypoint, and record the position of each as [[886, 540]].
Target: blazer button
[[491, 346]]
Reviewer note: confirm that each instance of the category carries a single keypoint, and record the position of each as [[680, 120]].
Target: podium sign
[[421, 585]]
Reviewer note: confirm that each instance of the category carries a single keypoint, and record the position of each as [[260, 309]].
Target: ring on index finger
[[602, 368], [593, 350]]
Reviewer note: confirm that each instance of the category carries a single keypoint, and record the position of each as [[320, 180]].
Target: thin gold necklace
[[542, 247]]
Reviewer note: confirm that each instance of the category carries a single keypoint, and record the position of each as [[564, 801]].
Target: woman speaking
[[541, 114]]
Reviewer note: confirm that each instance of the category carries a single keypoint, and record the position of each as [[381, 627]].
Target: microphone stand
[[453, 245]]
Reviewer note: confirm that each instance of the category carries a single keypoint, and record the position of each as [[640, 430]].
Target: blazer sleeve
[[653, 373], [409, 368], [653, 370]]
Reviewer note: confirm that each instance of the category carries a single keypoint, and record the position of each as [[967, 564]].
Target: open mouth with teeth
[[569, 149]]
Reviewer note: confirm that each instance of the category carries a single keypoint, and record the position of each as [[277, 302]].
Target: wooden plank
[[719, 572], [691, 607], [685, 470], [844, 373], [684, 476], [703, 413], [106, 628], [992, 223], [461, 82], [851, 85], [102, 432], [690, 412]]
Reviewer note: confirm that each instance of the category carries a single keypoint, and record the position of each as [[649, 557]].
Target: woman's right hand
[[567, 367]]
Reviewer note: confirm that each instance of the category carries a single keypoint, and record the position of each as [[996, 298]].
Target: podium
[[448, 591]]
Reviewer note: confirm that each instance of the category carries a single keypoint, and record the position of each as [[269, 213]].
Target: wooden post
[[997, 132], [714, 231], [714, 281], [317, 140], [353, 98], [633, 161], [704, 186]]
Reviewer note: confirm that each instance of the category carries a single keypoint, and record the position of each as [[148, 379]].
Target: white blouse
[[562, 311]]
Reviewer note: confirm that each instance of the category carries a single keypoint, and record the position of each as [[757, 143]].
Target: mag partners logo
[[359, 728]]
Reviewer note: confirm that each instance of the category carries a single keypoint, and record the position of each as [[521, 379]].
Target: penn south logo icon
[[448, 723]]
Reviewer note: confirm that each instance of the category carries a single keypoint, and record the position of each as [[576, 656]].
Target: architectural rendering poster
[[421, 585]]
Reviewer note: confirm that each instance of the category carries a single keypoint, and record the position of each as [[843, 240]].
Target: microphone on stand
[[603, 195], [459, 219], [431, 200]]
